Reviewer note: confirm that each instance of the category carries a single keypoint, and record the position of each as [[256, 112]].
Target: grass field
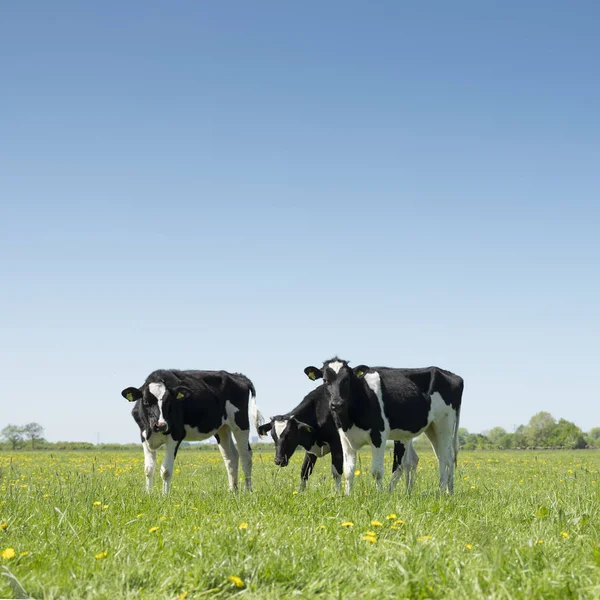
[[521, 525]]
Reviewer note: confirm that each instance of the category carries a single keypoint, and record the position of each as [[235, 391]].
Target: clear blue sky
[[257, 186]]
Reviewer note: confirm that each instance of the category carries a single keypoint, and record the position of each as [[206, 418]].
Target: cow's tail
[[456, 425], [257, 418]]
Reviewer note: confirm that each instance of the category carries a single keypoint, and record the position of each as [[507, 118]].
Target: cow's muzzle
[[160, 427], [281, 461]]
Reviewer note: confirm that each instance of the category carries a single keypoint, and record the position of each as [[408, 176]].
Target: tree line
[[16, 435], [542, 431]]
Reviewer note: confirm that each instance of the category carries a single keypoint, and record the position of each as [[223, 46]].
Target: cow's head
[[287, 433], [338, 379], [156, 403]]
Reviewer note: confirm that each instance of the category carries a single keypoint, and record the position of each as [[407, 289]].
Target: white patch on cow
[[159, 390], [336, 365], [319, 451], [144, 434], [356, 437], [156, 440], [230, 411], [349, 459], [279, 426], [442, 419], [193, 435], [373, 380]]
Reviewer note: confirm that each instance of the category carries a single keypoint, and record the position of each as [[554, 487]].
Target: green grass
[[520, 525]]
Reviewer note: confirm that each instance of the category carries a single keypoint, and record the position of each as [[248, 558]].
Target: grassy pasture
[[521, 525]]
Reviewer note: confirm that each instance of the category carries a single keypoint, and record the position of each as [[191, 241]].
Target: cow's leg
[[446, 433], [377, 463], [307, 468], [442, 446], [229, 454], [349, 461], [166, 470], [337, 466], [411, 461], [149, 465], [397, 466], [242, 438]]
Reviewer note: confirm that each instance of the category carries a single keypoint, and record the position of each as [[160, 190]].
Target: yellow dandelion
[[565, 534], [8, 553], [26, 553], [392, 516], [357, 472], [101, 555], [97, 503], [321, 527], [347, 524], [469, 546], [370, 538], [243, 526], [424, 538], [237, 581], [376, 523], [105, 506], [540, 542], [153, 529], [399, 522], [370, 533], [294, 492], [3, 526]]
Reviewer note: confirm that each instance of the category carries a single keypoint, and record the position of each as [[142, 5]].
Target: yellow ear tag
[[312, 376], [179, 395], [309, 429], [130, 397], [360, 373]]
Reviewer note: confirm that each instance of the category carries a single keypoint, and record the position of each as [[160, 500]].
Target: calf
[[372, 405], [172, 406], [311, 425]]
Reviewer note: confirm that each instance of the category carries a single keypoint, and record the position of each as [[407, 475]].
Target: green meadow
[[522, 524]]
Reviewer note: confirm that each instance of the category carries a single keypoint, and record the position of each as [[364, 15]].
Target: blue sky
[[259, 186]]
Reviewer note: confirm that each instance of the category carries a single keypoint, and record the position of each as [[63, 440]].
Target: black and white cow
[[172, 406], [372, 405], [311, 425]]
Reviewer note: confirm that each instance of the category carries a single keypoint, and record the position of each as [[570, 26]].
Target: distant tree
[[463, 435], [13, 435], [33, 432], [539, 429], [495, 434], [518, 438], [506, 441], [567, 435], [593, 437]]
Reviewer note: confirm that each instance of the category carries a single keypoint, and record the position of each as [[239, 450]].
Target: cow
[[311, 425], [372, 405], [172, 406]]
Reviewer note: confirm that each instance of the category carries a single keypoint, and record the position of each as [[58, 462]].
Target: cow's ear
[[264, 429], [361, 370], [180, 392], [313, 373], [132, 394], [302, 425]]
